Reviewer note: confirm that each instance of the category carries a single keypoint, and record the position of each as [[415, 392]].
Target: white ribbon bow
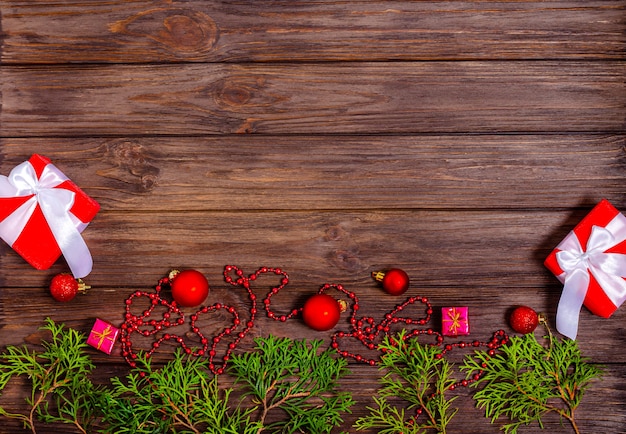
[[609, 270], [55, 205]]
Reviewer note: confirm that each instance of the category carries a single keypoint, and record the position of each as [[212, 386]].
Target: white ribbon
[[55, 205], [609, 270]]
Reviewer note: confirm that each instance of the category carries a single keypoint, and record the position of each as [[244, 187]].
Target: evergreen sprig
[[418, 376], [180, 397], [60, 389], [529, 379], [293, 387], [296, 378], [183, 395]]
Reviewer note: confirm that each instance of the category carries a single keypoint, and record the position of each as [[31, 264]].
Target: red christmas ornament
[[395, 281], [189, 288], [64, 287], [321, 312], [524, 320]]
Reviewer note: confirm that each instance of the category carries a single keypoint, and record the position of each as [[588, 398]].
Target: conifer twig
[[530, 379], [416, 375]]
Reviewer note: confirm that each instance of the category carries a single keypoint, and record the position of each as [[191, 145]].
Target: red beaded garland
[[141, 325], [365, 329], [368, 332]]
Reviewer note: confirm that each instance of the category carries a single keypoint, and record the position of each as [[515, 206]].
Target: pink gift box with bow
[[591, 264], [42, 215], [103, 336], [454, 321]]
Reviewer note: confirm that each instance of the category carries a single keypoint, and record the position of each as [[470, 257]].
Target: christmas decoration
[[292, 386], [454, 321], [182, 396], [370, 333], [297, 379], [64, 287], [173, 316], [530, 379], [103, 336], [42, 215], [417, 377], [58, 378], [189, 287], [591, 263], [394, 281], [524, 319], [285, 385], [365, 329], [321, 312]]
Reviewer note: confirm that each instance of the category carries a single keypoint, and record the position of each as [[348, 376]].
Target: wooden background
[[458, 140]]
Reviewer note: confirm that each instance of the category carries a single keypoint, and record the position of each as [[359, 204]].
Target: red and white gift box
[[103, 336], [42, 215], [591, 264]]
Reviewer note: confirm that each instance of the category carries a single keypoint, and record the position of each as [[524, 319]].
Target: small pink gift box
[[103, 336], [454, 321]]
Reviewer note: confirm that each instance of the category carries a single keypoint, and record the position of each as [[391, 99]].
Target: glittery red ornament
[[524, 320]]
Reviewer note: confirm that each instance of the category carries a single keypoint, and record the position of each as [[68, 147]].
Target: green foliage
[[418, 376], [529, 379], [292, 386], [296, 379], [181, 397], [60, 389]]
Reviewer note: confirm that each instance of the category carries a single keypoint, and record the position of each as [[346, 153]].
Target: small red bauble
[[395, 281], [524, 320], [189, 288], [64, 287], [321, 312]]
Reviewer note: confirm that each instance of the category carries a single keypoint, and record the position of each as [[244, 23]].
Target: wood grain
[[458, 140], [337, 172], [287, 31], [323, 245], [434, 97], [437, 248]]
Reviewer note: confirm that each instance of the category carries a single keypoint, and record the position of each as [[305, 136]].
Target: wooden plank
[[214, 31], [438, 248], [336, 173], [488, 307], [433, 97]]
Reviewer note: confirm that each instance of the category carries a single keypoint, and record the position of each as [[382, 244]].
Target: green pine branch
[[60, 390], [181, 397], [418, 376], [529, 379], [297, 381], [293, 387]]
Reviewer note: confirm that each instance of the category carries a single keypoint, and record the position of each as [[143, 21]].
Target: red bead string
[[139, 324], [326, 287], [365, 329], [368, 332], [143, 326]]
